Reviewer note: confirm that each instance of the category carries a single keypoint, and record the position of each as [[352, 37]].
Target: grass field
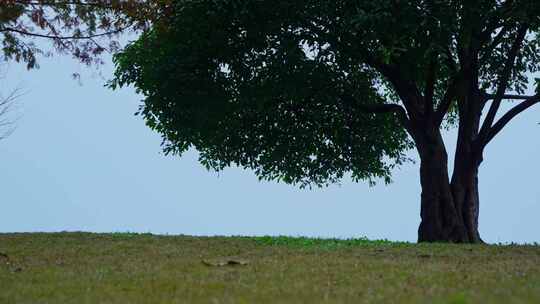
[[144, 268]]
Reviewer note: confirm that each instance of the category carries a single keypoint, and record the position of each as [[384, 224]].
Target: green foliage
[[262, 84], [242, 88]]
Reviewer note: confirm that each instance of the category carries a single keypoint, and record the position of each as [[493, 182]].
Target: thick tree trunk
[[440, 218], [466, 162], [465, 192], [449, 211], [466, 197]]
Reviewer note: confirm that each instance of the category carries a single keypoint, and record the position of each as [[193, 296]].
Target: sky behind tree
[[80, 160]]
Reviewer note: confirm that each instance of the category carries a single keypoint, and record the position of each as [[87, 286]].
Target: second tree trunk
[[449, 210]]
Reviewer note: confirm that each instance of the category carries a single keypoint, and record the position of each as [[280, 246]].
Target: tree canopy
[[256, 87], [305, 91]]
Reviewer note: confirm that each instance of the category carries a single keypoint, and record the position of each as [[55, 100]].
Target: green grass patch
[[146, 268], [327, 243]]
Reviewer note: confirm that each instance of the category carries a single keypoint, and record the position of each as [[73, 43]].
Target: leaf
[[220, 262], [16, 269], [4, 258]]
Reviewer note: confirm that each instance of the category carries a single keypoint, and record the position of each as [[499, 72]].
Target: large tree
[[307, 91]]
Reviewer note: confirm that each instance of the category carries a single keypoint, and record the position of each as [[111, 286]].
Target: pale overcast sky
[[80, 160]]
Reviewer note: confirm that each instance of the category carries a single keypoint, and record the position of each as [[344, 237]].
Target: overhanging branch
[[74, 37]]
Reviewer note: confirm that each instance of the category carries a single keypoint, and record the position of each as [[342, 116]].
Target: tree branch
[[430, 86], [408, 92], [382, 109], [100, 4], [504, 78], [494, 43], [509, 96], [6, 106], [62, 3], [506, 118], [450, 62], [495, 19], [74, 37], [448, 97]]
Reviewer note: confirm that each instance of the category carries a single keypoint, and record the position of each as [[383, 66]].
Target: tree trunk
[[465, 192], [449, 211], [466, 162], [466, 197]]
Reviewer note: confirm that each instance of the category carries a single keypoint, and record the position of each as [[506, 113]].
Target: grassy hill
[[144, 268]]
